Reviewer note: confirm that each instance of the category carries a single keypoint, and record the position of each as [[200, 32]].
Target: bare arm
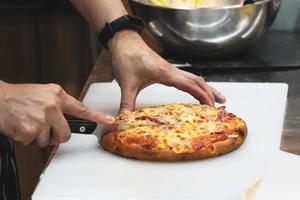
[[29, 111], [98, 12], [134, 64]]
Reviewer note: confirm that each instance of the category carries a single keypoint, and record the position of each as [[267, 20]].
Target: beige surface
[[252, 191]]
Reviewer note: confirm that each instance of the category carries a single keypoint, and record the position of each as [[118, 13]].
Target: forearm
[[98, 12]]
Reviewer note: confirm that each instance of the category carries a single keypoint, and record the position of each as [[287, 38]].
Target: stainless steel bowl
[[206, 31]]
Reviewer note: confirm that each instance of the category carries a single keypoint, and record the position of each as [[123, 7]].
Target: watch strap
[[121, 23]]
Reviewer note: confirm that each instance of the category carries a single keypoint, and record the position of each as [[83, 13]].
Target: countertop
[[291, 134]]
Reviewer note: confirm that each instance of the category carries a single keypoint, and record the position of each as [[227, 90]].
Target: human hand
[[29, 111], [136, 66]]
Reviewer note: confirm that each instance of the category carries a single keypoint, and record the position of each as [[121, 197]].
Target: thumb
[[77, 109], [128, 99]]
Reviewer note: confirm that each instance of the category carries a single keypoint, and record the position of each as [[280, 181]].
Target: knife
[[80, 126]]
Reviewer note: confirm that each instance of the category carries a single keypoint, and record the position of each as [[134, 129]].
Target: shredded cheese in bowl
[[186, 3]]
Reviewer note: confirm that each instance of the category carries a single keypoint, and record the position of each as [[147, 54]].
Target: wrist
[[123, 37]]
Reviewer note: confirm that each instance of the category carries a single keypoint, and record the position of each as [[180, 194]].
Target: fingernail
[[222, 97], [110, 118]]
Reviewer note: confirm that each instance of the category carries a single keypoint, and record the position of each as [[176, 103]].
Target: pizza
[[175, 132]]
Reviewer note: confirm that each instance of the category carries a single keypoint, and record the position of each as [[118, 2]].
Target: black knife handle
[[81, 126]]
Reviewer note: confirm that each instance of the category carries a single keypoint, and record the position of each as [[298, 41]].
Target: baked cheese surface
[[179, 128]]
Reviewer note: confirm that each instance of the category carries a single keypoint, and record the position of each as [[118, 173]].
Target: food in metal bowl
[[205, 31], [190, 3]]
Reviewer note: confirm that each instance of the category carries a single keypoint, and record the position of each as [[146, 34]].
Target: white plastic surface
[[82, 170], [282, 179]]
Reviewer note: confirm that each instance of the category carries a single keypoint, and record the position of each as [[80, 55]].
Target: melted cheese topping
[[176, 126]]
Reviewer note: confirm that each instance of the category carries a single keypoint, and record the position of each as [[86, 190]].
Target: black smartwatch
[[124, 22]]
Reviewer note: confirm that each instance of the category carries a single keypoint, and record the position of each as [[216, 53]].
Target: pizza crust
[[127, 138], [135, 151]]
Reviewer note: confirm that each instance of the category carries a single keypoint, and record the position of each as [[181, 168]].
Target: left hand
[[136, 66]]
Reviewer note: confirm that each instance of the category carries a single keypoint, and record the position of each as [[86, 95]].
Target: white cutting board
[[82, 170], [281, 181]]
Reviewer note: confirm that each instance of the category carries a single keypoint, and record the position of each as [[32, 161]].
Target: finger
[[214, 94], [27, 132], [128, 99], [77, 109], [43, 139], [201, 83], [183, 83], [218, 96], [53, 141], [60, 130], [26, 137]]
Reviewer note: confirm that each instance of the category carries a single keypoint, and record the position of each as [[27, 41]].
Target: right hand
[[137, 67], [29, 111]]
